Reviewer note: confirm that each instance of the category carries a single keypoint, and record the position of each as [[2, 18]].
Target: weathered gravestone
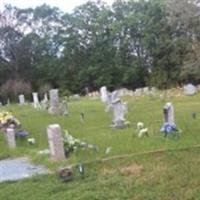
[[168, 112], [189, 89], [36, 103], [63, 108], [119, 110], [54, 102], [55, 140], [10, 137], [21, 99]]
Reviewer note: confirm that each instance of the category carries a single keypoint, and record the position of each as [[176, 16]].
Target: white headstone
[[115, 96], [36, 103], [55, 140], [190, 89], [21, 99], [168, 112], [54, 102], [45, 102], [10, 137], [104, 94]]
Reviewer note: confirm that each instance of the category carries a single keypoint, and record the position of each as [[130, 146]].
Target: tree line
[[129, 44]]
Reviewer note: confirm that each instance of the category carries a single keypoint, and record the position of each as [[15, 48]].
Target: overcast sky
[[64, 5]]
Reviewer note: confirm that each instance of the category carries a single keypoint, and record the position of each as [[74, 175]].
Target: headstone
[[190, 89], [104, 94], [55, 140], [45, 97], [119, 110], [168, 112], [10, 137], [45, 102], [36, 103], [115, 96], [21, 99], [63, 108], [54, 102]]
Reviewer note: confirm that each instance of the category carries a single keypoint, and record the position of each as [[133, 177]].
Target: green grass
[[168, 175]]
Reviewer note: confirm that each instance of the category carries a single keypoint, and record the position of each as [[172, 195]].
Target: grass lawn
[[172, 174]]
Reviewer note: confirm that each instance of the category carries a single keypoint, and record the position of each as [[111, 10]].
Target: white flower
[[143, 132], [140, 125]]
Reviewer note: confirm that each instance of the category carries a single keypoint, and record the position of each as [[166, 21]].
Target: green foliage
[[98, 45]]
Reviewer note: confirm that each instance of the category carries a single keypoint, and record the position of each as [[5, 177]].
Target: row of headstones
[[54, 134], [36, 103], [126, 92], [54, 106], [119, 108]]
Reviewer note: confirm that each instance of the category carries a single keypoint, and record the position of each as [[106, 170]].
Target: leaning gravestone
[[189, 89], [168, 112], [21, 99], [54, 102], [36, 103], [55, 140], [10, 137]]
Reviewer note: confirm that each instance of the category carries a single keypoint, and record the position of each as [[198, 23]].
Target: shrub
[[12, 88]]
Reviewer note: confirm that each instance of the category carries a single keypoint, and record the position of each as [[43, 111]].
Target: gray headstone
[[168, 112], [54, 102], [119, 110], [55, 140]]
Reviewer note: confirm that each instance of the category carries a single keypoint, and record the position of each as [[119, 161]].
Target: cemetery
[[73, 149], [100, 100]]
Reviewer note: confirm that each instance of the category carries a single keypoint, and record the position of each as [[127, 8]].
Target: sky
[[64, 5]]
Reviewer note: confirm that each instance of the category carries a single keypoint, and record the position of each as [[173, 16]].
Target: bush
[[12, 88]]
